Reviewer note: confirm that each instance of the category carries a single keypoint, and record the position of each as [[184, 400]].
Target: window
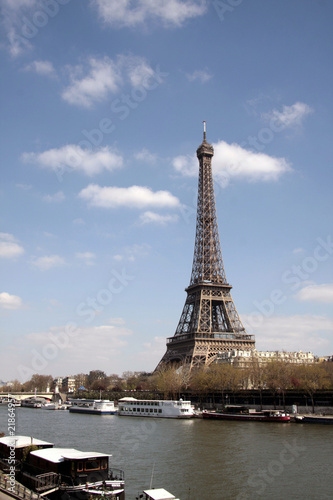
[[91, 465], [80, 467]]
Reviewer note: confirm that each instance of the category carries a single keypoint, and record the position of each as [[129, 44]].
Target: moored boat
[[314, 419], [155, 408], [32, 402], [93, 406], [242, 413], [62, 472], [49, 406]]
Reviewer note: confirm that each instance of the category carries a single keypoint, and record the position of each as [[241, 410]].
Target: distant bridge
[[25, 395]]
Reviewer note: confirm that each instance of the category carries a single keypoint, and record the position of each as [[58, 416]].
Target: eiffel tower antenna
[[209, 323]]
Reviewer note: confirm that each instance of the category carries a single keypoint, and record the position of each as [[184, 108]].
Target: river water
[[197, 459]]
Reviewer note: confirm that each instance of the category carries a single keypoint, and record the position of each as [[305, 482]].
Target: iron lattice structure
[[209, 323]]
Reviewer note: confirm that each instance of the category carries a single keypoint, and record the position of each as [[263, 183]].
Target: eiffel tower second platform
[[209, 323]]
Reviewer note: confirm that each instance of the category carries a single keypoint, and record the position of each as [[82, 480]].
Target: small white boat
[[155, 408], [49, 406], [93, 406]]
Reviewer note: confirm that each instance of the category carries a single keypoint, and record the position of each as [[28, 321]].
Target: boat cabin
[[78, 466], [20, 446]]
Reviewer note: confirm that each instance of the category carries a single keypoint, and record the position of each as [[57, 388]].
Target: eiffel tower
[[209, 323]]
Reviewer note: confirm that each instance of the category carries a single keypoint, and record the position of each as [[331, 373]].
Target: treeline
[[170, 382]]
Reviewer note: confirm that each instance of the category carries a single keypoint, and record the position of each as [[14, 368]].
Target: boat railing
[[116, 474], [46, 481]]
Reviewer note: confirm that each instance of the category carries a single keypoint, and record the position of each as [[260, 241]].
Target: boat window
[[104, 464], [79, 466], [159, 411], [91, 465]]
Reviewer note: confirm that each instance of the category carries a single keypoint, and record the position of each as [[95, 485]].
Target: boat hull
[[88, 411], [250, 417], [313, 419]]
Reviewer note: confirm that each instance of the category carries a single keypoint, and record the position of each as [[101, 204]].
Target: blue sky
[[102, 104]]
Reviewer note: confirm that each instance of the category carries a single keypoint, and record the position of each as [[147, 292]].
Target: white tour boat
[[155, 408], [93, 406]]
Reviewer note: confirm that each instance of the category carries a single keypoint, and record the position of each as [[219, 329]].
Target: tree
[[312, 379], [38, 382], [256, 373], [169, 381], [95, 375]]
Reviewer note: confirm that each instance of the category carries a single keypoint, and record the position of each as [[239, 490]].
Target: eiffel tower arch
[[209, 323]]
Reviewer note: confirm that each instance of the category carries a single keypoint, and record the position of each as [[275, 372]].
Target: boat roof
[[23, 441], [154, 400], [57, 455], [159, 494]]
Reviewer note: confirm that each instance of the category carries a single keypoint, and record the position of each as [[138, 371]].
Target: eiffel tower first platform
[[209, 323]]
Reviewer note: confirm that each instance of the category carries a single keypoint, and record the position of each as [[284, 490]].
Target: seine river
[[197, 459]]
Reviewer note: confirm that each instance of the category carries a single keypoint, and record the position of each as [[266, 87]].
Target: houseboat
[[244, 414], [62, 471], [93, 406], [155, 408]]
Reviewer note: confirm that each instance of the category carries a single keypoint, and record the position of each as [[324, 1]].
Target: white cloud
[[131, 197], [151, 353], [43, 68], [103, 77], [146, 156], [9, 249], [79, 222], [290, 116], [13, 13], [74, 158], [25, 187], [152, 217], [133, 252], [87, 257], [231, 161], [317, 293], [8, 301], [202, 75], [291, 333], [77, 347], [54, 198], [47, 262], [120, 13], [99, 78]]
